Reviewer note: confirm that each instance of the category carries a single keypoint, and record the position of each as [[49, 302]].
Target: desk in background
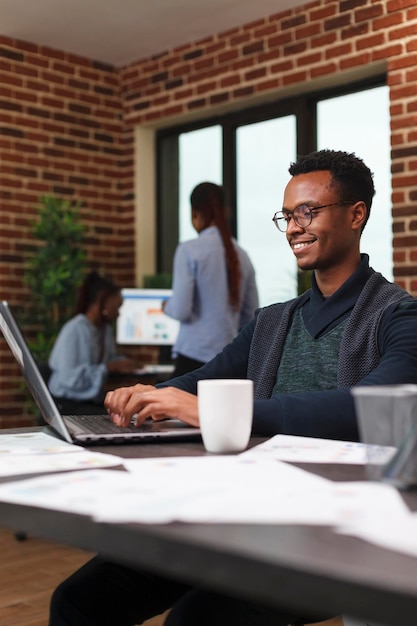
[[148, 375], [281, 565]]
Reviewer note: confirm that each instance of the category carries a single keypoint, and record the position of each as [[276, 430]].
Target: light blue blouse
[[200, 298], [78, 359]]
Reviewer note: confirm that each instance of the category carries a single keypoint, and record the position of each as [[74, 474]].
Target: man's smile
[[299, 245]]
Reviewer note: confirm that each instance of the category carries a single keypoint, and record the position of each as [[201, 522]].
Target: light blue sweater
[[200, 298], [78, 359]]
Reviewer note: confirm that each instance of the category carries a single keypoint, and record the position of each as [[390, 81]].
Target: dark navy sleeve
[[398, 347], [231, 362], [331, 414], [328, 414]]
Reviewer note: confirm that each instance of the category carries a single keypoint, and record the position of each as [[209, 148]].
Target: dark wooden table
[[308, 567]]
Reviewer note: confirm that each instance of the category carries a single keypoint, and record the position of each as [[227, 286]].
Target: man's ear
[[358, 214]]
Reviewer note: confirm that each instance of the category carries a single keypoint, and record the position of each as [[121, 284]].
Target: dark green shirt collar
[[321, 314]]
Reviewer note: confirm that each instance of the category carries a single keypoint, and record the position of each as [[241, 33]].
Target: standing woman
[[214, 289], [85, 352]]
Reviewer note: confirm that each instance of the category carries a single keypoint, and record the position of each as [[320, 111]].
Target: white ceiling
[[120, 32]]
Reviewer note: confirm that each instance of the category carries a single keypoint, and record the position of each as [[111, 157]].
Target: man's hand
[[147, 401]]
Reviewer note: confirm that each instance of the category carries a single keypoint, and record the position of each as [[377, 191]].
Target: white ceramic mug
[[225, 410]]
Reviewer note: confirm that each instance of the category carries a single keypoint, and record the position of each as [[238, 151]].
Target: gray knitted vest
[[359, 353]]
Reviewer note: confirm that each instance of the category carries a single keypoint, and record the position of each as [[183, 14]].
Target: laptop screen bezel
[[31, 373]]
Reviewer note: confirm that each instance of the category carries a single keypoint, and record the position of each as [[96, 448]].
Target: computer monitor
[[142, 321]]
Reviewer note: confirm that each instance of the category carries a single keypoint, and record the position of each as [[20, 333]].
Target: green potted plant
[[157, 281], [55, 269]]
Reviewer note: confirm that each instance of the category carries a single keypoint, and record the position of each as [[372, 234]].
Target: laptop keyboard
[[101, 424]]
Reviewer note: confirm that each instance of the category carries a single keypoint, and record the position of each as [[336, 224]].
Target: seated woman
[[85, 352]]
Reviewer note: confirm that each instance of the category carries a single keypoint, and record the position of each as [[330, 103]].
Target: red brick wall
[[322, 40], [61, 133], [66, 123]]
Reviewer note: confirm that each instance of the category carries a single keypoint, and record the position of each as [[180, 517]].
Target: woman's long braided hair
[[207, 199]]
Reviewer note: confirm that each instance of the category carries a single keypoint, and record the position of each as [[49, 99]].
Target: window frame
[[303, 106]]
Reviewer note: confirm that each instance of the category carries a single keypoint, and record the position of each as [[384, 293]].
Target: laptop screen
[[30, 371], [142, 321]]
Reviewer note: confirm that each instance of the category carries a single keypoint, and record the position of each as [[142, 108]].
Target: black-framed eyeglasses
[[302, 215]]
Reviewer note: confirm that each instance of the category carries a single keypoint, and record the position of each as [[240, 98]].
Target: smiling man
[[352, 327]]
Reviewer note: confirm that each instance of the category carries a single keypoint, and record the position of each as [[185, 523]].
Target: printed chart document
[[295, 449], [78, 492], [184, 489], [225, 489], [38, 453], [33, 443], [252, 487], [218, 488], [393, 531], [242, 489]]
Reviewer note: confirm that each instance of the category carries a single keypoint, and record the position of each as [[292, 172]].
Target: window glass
[[264, 153], [260, 144], [360, 123], [200, 160]]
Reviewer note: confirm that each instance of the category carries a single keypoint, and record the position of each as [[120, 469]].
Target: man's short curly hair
[[349, 173]]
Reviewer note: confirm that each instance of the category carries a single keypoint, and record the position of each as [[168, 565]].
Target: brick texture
[[66, 124], [61, 133]]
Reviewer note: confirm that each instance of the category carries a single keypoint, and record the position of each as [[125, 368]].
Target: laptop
[[82, 429]]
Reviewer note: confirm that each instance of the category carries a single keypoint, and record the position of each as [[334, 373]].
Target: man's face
[[330, 239]]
